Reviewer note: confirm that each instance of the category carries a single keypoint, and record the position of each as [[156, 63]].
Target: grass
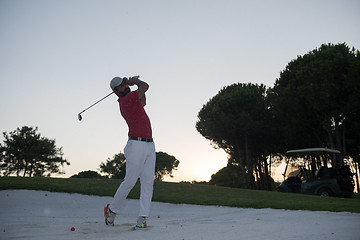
[[185, 193]]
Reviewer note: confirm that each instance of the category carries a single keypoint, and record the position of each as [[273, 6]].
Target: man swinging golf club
[[139, 151]]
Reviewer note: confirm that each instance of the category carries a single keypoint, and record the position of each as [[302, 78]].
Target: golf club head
[[79, 117]]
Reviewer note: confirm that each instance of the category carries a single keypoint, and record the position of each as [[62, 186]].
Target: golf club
[[79, 115]]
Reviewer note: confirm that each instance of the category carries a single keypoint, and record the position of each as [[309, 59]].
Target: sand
[[26, 214]]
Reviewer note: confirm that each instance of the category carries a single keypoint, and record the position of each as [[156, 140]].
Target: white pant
[[140, 162]]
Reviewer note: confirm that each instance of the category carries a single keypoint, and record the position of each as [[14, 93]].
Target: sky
[[58, 57]]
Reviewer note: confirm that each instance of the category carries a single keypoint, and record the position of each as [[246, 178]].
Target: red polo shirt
[[135, 116]]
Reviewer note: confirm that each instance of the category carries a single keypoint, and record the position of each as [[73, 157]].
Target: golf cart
[[314, 176]]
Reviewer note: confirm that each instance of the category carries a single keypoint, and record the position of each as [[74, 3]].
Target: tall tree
[[24, 152], [315, 102], [316, 99], [238, 120]]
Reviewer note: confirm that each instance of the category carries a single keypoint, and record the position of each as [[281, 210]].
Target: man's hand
[[142, 87], [133, 80]]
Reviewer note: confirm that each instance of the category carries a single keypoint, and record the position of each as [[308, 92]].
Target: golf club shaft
[[96, 102]]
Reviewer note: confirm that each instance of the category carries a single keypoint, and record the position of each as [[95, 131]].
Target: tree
[[314, 103], [116, 167], [87, 174], [165, 164], [238, 120], [229, 176], [25, 152], [316, 100]]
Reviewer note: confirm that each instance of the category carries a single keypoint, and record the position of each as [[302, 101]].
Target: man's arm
[[143, 100]]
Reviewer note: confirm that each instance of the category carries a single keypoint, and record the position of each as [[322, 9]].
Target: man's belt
[[141, 139]]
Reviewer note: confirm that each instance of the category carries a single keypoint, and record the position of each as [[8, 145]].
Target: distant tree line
[[26, 153], [314, 103], [116, 167]]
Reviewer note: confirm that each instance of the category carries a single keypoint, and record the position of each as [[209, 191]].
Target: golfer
[[139, 151]]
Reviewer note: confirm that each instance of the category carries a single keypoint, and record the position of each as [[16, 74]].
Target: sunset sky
[[58, 57]]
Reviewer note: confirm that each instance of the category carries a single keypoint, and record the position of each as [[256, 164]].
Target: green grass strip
[[185, 193]]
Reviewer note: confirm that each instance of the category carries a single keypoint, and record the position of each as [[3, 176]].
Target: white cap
[[116, 81]]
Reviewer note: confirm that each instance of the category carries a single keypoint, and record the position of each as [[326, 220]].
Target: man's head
[[120, 86]]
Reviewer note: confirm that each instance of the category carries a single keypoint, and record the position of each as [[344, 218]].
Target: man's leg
[[134, 154], [147, 181]]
